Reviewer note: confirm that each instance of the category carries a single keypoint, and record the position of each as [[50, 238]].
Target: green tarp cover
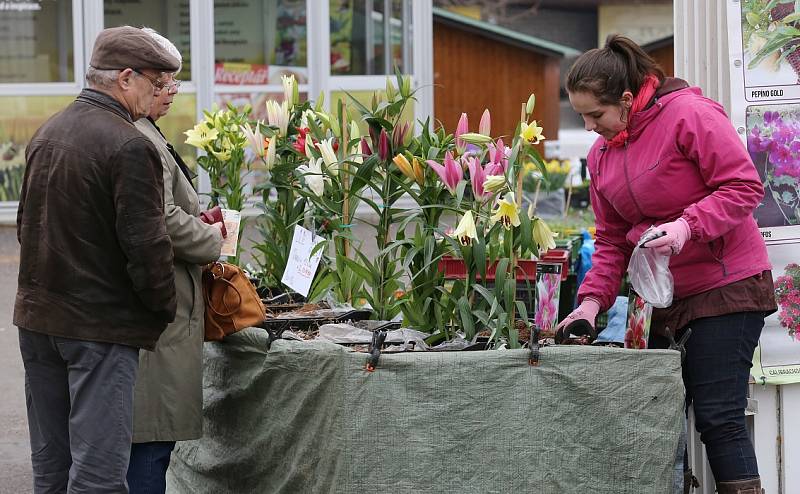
[[305, 417]]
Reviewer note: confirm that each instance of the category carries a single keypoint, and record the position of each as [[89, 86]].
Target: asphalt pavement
[[15, 463]]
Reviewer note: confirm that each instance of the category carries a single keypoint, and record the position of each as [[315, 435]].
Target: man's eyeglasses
[[173, 85], [157, 83]]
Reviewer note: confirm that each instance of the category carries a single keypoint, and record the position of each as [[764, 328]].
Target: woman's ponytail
[[621, 65]]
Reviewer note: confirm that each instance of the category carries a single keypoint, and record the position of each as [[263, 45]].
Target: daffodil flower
[[278, 115], [531, 132], [507, 213], [465, 232], [201, 135], [450, 173]]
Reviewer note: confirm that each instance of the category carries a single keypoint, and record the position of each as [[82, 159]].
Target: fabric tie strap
[[641, 99]]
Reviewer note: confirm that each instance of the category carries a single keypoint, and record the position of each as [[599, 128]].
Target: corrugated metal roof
[[503, 34]]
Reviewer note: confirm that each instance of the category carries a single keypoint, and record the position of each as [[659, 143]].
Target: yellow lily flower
[[531, 132], [543, 236], [465, 231], [200, 135], [223, 155], [507, 212]]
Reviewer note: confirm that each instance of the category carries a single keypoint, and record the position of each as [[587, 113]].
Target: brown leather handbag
[[232, 303]]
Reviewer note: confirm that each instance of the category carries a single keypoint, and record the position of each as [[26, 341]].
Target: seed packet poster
[[764, 51]]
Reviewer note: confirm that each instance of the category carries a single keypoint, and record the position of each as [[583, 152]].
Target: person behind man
[[96, 279], [168, 400]]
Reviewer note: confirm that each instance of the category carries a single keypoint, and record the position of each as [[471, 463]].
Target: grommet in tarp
[[533, 343], [378, 337]]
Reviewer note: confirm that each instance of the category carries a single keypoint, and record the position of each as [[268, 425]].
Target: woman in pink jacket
[[669, 157]]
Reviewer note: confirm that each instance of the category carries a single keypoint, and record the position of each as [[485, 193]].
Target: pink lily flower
[[485, 126], [498, 158], [450, 172], [461, 128], [477, 176]]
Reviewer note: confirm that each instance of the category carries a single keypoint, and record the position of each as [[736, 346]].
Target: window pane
[[257, 41], [361, 30], [36, 42], [181, 117], [170, 18], [20, 118]]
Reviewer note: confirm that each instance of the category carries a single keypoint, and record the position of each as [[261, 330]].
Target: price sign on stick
[[302, 265]]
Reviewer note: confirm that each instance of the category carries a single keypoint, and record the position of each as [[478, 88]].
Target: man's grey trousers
[[80, 412]]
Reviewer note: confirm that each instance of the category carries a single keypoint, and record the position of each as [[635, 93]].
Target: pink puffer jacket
[[684, 159]]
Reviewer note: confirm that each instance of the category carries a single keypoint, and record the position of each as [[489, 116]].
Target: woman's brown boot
[[749, 486]]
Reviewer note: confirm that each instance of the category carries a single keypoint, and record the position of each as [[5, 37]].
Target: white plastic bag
[[650, 276]]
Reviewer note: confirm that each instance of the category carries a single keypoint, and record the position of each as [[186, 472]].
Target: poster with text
[[764, 61], [770, 41]]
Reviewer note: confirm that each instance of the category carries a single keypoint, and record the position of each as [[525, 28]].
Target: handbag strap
[[214, 309]]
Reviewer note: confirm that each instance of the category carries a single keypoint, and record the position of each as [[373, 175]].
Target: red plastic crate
[[558, 256], [454, 269]]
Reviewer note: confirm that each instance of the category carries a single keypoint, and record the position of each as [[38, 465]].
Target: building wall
[[472, 72], [642, 23], [665, 56]]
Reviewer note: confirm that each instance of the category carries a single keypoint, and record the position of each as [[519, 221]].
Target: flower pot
[[794, 57]]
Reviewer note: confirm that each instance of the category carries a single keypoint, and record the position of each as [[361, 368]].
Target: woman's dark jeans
[[147, 471], [716, 371]]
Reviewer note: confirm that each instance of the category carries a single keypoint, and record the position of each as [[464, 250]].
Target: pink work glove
[[676, 233], [584, 315]]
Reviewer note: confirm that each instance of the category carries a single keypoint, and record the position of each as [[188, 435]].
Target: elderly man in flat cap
[[96, 278]]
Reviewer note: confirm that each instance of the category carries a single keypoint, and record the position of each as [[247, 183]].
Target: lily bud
[[475, 138], [530, 104], [383, 145], [419, 172], [485, 125], [405, 90], [390, 91], [494, 183], [404, 166], [399, 135], [365, 150]]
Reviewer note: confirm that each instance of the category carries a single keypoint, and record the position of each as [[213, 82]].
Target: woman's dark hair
[[609, 71]]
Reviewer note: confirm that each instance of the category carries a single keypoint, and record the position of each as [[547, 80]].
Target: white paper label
[[301, 265]]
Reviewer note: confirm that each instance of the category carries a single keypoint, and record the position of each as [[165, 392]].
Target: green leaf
[[465, 311], [358, 269]]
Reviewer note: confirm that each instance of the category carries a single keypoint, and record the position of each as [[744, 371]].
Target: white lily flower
[[289, 83], [313, 175], [278, 116], [329, 155]]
